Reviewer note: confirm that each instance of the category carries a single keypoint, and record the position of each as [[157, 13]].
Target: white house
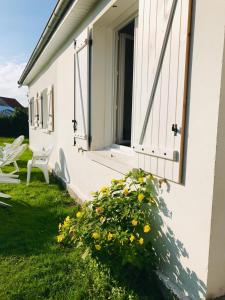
[[117, 84]]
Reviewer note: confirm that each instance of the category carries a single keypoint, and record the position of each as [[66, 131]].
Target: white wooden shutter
[[50, 98], [40, 111], [160, 88], [81, 99], [30, 112], [36, 111]]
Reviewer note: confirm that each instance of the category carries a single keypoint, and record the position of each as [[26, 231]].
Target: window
[[125, 84], [113, 36], [144, 109]]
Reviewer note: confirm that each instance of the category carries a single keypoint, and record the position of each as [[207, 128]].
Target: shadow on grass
[[30, 225], [25, 229]]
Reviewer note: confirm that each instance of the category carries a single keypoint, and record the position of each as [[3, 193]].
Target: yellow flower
[[118, 181], [95, 235], [132, 238], [60, 238], [134, 222], [60, 226], [67, 222], [72, 230], [141, 241], [79, 214], [98, 247], [125, 191], [141, 179], [102, 219], [152, 200], [115, 180], [141, 196], [122, 180], [104, 189], [147, 228], [110, 236]]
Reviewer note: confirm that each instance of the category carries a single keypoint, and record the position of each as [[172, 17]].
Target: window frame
[[104, 149], [117, 125], [121, 87]]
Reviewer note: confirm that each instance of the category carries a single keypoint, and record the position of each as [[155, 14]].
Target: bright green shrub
[[116, 223]]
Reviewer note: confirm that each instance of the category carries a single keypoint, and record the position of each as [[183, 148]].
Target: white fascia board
[[72, 20]]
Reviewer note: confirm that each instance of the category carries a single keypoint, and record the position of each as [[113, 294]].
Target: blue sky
[[21, 24]]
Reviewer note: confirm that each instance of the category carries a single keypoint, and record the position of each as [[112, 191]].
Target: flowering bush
[[116, 222]]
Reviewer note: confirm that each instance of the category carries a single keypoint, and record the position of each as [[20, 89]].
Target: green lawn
[[33, 266]]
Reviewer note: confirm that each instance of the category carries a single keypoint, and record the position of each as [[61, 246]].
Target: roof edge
[[55, 19]]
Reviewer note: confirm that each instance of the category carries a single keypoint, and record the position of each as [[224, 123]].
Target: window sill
[[46, 131], [42, 130], [116, 158]]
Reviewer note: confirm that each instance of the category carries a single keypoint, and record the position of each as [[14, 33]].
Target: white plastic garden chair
[[11, 157], [39, 160], [9, 147]]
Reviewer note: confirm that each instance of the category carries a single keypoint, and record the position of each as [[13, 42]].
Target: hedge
[[16, 124]]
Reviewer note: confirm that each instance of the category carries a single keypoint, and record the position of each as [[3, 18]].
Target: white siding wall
[[187, 208]]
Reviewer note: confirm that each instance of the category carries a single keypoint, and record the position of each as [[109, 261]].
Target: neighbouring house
[[8, 106], [118, 84]]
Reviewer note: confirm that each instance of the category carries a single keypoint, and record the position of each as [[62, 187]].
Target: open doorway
[[125, 84]]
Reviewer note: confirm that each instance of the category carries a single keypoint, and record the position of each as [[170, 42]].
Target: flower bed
[[116, 223]]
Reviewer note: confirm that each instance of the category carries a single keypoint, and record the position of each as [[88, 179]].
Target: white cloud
[[9, 75]]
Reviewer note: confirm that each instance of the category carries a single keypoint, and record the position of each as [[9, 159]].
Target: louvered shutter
[[50, 101], [36, 111], [30, 112], [40, 111], [81, 91], [160, 88]]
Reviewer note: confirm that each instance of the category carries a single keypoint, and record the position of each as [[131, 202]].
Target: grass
[[33, 266]]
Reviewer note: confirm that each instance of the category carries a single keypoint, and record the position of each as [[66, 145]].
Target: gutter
[[56, 17]]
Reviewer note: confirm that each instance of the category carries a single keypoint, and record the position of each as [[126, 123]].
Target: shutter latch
[[74, 125], [175, 129]]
